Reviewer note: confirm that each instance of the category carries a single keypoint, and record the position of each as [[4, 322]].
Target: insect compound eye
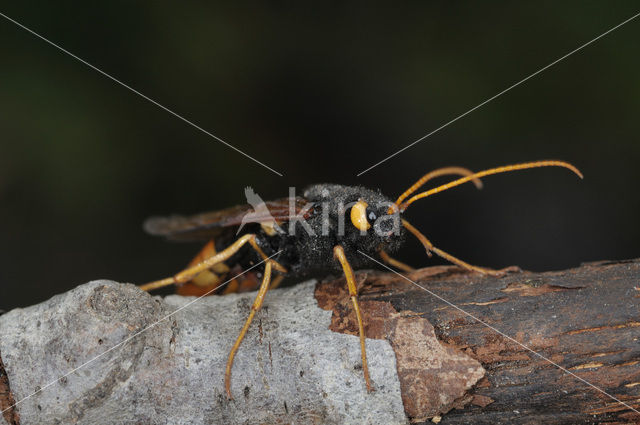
[[359, 216]]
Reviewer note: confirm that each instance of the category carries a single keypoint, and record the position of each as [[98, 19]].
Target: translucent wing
[[211, 224]]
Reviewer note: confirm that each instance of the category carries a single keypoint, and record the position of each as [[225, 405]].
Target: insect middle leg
[[190, 272], [257, 303], [430, 248], [338, 253]]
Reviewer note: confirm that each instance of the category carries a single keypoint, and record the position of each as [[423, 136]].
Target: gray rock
[[168, 363]]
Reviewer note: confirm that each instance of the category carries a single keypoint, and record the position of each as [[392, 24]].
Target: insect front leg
[[190, 272], [338, 253], [430, 248], [395, 263]]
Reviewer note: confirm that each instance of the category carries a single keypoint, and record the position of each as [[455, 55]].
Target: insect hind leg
[[207, 280], [190, 272]]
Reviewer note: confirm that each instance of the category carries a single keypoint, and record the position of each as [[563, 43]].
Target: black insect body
[[331, 227], [309, 245]]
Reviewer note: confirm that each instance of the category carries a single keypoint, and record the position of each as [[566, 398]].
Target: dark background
[[319, 95]]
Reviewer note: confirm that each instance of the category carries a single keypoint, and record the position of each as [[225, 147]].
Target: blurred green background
[[319, 94]]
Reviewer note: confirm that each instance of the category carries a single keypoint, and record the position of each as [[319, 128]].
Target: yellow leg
[[276, 281], [190, 272], [255, 307], [430, 248], [208, 278], [395, 263], [338, 253]]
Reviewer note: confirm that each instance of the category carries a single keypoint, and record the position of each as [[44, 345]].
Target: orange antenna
[[504, 169], [437, 173]]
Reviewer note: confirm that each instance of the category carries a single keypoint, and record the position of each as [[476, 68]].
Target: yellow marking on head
[[359, 216]]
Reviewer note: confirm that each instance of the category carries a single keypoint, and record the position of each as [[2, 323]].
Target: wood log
[[585, 320], [444, 346]]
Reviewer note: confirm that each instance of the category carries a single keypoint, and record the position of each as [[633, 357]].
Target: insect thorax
[[330, 225]]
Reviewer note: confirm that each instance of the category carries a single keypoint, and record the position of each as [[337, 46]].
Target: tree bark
[[457, 352]]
